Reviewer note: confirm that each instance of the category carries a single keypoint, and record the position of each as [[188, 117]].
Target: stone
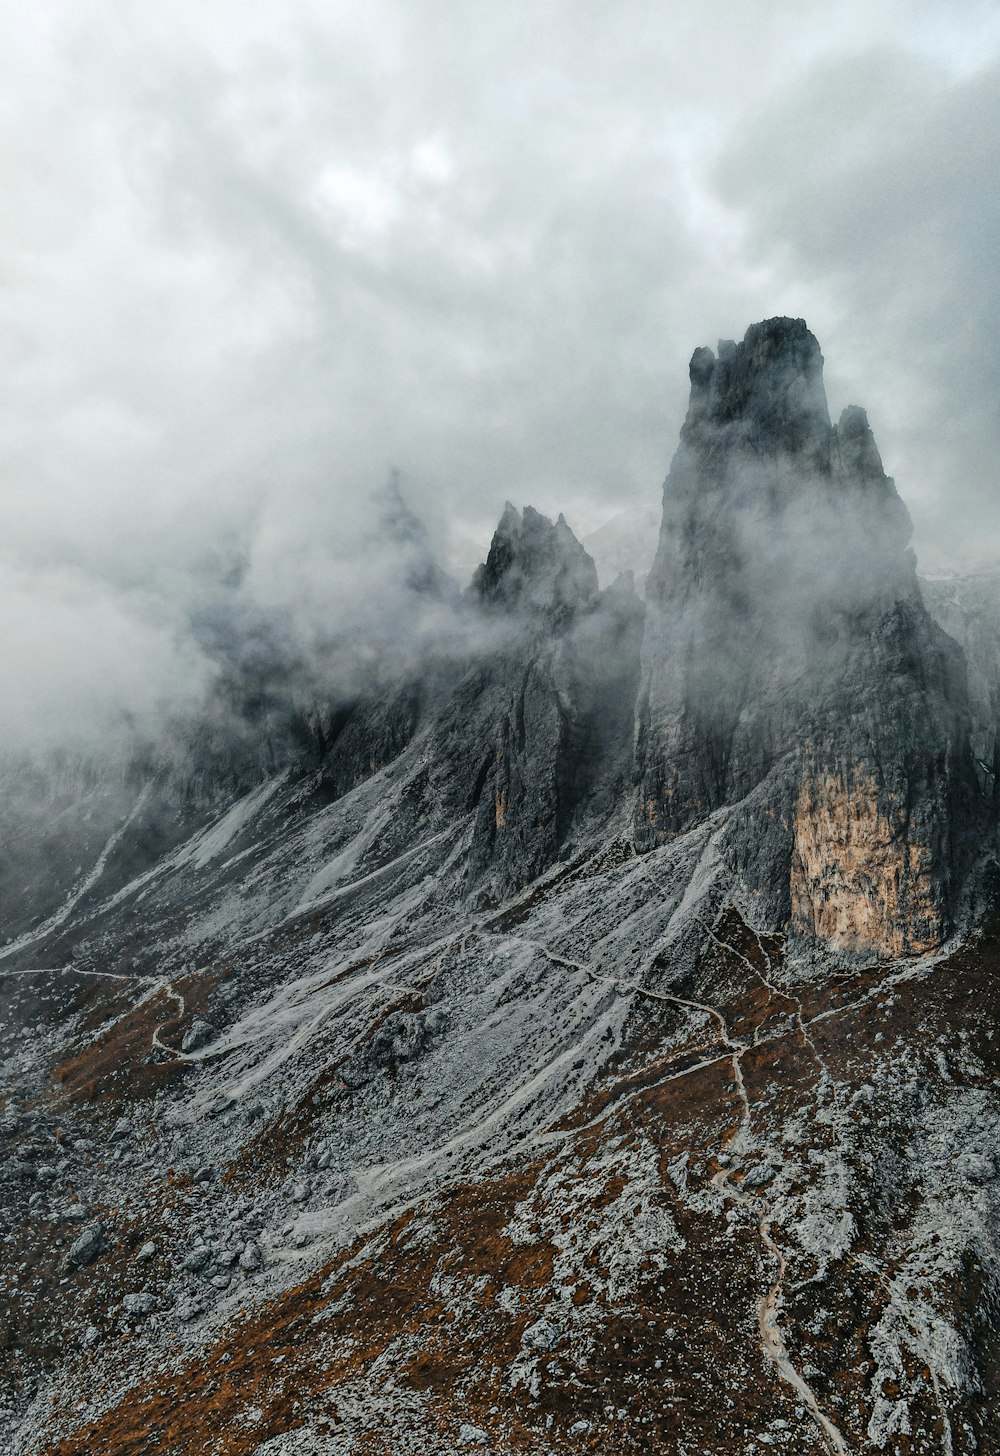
[[198, 1034], [469, 1435], [542, 1335], [758, 1176], [87, 1247], [197, 1259], [147, 1252], [251, 1259], [140, 1304]]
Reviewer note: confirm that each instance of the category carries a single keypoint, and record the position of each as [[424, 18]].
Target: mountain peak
[[766, 394], [786, 639], [533, 563], [764, 493], [394, 517]]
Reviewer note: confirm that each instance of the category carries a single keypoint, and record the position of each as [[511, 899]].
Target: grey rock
[[87, 1247], [198, 1034], [472, 1436], [251, 1259], [139, 1305], [542, 1335], [147, 1252], [758, 1176], [197, 1259], [791, 667], [536, 566], [976, 1167], [402, 1038]]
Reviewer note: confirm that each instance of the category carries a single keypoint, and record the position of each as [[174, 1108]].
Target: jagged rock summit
[[790, 666], [534, 564]]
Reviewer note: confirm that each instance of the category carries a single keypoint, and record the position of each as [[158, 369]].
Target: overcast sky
[[256, 253]]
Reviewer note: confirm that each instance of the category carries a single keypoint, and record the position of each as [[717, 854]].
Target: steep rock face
[[789, 661], [547, 714]]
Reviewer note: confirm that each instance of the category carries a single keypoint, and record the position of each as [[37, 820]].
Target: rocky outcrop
[[856, 880], [548, 714], [789, 661], [537, 567]]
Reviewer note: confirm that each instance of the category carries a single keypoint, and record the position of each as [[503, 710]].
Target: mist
[[252, 261]]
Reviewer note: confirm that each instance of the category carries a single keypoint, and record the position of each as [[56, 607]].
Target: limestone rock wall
[[858, 880]]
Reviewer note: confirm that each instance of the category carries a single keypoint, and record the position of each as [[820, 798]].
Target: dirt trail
[[772, 1338]]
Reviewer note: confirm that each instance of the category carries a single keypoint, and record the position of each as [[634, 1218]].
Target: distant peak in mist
[[534, 562], [769, 388]]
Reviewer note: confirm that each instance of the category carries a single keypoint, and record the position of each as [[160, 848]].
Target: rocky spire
[[549, 715], [762, 396], [789, 664], [535, 564], [769, 504]]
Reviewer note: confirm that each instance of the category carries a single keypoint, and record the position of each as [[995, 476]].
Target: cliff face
[[553, 707], [789, 660]]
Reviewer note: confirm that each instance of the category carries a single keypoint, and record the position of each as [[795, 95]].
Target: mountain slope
[[444, 1091]]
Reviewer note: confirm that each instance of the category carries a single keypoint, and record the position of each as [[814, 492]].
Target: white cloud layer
[[253, 254]]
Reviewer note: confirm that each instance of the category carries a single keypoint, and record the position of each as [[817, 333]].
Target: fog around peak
[[253, 259]]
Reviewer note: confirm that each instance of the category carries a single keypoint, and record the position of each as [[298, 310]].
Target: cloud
[[254, 255], [88, 670], [870, 178]]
